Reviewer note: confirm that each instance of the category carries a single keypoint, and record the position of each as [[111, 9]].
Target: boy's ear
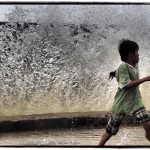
[[130, 54]]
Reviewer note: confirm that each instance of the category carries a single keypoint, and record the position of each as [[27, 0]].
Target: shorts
[[140, 116]]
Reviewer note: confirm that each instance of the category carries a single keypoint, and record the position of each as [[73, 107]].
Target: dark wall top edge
[[71, 3]]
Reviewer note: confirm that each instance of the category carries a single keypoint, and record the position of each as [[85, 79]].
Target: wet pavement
[[127, 136]]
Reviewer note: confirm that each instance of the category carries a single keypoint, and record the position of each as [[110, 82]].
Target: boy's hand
[[148, 78], [112, 74]]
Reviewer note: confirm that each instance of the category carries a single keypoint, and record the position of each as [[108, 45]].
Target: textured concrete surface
[[126, 137]]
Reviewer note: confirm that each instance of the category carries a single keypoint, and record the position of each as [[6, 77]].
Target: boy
[[128, 99]]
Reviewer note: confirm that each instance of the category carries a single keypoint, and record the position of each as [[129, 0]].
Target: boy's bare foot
[[100, 144]]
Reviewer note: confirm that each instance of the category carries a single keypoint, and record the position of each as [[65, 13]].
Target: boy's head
[[126, 47]]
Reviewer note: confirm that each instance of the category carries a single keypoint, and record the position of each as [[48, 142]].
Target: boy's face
[[135, 57]]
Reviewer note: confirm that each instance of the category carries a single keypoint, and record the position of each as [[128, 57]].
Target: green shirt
[[127, 101]]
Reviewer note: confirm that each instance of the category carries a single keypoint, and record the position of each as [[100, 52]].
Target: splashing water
[[64, 67], [123, 138]]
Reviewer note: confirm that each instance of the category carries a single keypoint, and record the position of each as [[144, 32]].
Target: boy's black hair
[[126, 46]]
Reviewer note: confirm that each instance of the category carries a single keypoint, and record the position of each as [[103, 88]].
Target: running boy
[[128, 100]]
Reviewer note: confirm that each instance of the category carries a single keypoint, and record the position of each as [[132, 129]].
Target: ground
[[127, 136]]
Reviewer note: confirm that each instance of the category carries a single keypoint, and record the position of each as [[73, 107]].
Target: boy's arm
[[125, 81], [137, 82]]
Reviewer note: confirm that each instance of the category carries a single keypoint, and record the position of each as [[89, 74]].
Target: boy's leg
[[142, 116], [146, 126], [106, 136], [111, 128]]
